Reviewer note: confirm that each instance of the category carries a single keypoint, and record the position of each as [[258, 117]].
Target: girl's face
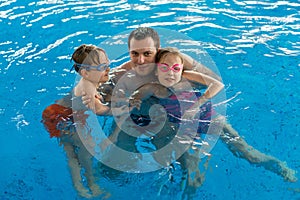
[[169, 70]]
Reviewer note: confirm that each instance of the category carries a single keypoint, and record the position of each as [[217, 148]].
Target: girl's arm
[[213, 85], [191, 64]]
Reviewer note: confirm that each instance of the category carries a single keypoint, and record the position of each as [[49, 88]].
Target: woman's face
[[169, 70]]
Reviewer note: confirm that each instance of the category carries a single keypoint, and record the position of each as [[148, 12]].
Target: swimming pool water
[[254, 44]]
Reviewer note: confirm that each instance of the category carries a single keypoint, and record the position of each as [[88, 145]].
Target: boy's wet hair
[[143, 32], [88, 55], [163, 52]]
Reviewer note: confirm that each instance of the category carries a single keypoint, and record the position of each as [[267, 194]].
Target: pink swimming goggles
[[165, 67]]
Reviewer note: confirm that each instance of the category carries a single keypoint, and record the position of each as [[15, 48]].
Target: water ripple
[[55, 44], [230, 27], [254, 43]]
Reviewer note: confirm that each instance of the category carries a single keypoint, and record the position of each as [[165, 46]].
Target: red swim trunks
[[53, 115]]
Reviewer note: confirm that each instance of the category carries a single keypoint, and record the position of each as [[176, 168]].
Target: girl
[[169, 74], [174, 98], [169, 71]]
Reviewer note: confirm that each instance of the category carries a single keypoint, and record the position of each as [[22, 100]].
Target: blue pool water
[[254, 44]]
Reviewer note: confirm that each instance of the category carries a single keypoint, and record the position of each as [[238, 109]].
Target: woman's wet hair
[[143, 32], [163, 52], [88, 55]]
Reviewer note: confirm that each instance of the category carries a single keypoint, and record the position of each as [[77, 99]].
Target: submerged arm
[[100, 108], [146, 91]]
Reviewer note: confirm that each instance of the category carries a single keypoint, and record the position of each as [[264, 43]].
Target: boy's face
[[169, 70], [142, 55], [95, 74]]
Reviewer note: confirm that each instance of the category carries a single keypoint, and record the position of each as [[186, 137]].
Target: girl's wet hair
[[88, 55], [163, 52]]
